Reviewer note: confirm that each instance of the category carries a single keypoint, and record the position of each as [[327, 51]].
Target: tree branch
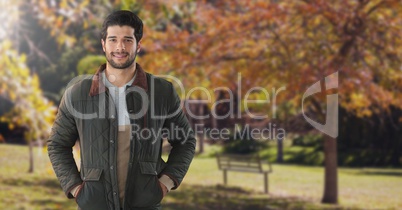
[[375, 7], [38, 52]]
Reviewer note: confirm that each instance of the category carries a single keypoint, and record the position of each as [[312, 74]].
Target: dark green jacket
[[87, 114]]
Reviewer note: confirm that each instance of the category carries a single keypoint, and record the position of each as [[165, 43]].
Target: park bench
[[243, 163]]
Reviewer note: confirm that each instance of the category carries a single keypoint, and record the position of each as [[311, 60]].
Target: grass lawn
[[291, 187]]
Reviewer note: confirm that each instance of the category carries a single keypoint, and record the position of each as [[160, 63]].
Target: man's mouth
[[120, 55]]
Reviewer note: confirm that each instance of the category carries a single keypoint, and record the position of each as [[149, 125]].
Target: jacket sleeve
[[181, 138], [62, 138]]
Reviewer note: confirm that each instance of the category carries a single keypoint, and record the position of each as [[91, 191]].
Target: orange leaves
[[358, 104], [271, 43]]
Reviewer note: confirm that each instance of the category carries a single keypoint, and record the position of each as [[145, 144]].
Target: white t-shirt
[[119, 97]]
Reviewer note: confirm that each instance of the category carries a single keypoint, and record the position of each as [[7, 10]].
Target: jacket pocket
[[92, 193], [148, 189], [148, 168]]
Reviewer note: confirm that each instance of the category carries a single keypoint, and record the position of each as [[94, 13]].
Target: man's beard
[[124, 65]]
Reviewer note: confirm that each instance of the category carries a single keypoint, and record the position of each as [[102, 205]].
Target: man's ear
[[139, 46], [103, 45]]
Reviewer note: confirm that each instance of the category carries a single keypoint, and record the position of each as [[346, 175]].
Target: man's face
[[120, 46]]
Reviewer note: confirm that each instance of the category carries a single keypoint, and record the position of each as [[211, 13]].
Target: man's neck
[[120, 77]]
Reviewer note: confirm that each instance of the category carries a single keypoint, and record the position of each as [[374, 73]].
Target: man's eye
[[129, 40], [112, 40]]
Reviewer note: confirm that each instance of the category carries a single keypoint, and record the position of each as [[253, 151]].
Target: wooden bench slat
[[239, 166], [243, 170], [243, 163]]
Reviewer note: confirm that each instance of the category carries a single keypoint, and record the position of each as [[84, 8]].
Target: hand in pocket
[[164, 189]]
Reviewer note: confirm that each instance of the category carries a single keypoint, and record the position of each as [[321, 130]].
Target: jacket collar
[[98, 86]]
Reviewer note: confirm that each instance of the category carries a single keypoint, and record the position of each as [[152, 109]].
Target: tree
[[293, 43], [271, 44], [31, 110]]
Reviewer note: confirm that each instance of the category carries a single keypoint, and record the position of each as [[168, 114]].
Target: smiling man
[[120, 167]]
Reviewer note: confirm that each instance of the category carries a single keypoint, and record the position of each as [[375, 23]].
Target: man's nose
[[120, 46]]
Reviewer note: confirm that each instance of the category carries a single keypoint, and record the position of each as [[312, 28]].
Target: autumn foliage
[[269, 44], [31, 110]]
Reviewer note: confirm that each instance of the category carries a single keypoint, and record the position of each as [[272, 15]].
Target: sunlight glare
[[8, 17]]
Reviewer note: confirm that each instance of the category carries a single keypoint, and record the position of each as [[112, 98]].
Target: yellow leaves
[[359, 100], [60, 16], [66, 40], [5, 45], [63, 3], [59, 21], [358, 103], [31, 110], [85, 25], [12, 96]]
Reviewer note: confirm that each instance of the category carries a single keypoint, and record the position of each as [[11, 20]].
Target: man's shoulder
[[159, 82], [80, 86]]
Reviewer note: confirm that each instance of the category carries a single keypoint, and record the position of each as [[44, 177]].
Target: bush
[[243, 146], [306, 156], [90, 63], [308, 140]]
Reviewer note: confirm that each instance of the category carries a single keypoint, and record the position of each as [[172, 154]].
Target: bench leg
[[266, 183], [225, 177]]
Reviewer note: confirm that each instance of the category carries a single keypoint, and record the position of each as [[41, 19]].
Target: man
[[120, 117]]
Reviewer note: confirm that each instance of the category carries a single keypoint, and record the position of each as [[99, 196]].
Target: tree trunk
[[331, 173], [214, 121], [31, 158], [201, 136], [201, 143], [279, 155], [330, 144]]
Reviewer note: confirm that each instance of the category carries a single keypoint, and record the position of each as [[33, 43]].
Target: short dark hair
[[123, 18]]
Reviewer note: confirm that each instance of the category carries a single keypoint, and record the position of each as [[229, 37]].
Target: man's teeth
[[119, 55]]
